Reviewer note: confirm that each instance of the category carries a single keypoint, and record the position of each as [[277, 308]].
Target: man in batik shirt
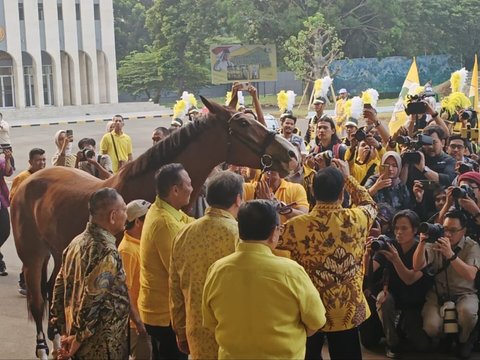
[[329, 243], [90, 304]]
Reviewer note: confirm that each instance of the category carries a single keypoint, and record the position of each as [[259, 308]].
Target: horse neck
[[199, 156]]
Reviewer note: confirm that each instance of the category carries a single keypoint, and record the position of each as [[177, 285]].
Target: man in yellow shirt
[[330, 243], [129, 249], [340, 115], [196, 247], [163, 222], [37, 161], [272, 187], [117, 144], [260, 306]]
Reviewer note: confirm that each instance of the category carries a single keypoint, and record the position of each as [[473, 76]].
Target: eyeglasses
[[456, 146], [452, 230]]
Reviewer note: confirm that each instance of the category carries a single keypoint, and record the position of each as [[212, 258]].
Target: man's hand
[[370, 116], [370, 140], [69, 347], [183, 346], [443, 245], [7, 153], [391, 254], [252, 90], [262, 191], [450, 199], [342, 166], [421, 165], [469, 205], [418, 191], [428, 109]]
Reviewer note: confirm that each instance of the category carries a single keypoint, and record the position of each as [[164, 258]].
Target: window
[[21, 14], [59, 12], [40, 12], [96, 11], [77, 11]]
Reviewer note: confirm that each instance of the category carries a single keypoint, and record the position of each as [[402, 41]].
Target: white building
[[57, 52]]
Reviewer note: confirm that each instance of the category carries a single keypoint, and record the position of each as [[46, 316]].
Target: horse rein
[[265, 159]]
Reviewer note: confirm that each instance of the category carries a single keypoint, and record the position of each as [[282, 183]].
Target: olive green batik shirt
[[90, 298]]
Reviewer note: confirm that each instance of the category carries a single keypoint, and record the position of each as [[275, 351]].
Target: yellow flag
[[399, 117], [473, 93]]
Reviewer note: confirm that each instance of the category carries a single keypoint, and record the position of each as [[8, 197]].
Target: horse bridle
[[265, 159]]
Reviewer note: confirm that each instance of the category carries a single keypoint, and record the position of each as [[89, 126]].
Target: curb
[[90, 121]]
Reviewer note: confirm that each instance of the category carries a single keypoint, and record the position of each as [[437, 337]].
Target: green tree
[[130, 31], [313, 49], [139, 73]]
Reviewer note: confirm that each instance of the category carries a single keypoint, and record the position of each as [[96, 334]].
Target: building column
[[52, 43], [108, 47]]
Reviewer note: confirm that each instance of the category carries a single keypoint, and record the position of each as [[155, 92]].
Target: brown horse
[[50, 207]]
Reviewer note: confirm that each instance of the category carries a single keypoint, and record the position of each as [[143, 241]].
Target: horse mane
[[169, 148]]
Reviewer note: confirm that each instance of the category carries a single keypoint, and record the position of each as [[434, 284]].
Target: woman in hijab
[[63, 156], [387, 186]]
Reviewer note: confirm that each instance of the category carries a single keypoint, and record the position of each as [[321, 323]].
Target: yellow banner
[[473, 93], [243, 63]]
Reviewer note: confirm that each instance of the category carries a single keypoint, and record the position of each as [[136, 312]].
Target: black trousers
[[4, 225], [342, 345], [164, 343]]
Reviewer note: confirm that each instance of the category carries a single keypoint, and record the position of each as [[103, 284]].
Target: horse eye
[[244, 123]]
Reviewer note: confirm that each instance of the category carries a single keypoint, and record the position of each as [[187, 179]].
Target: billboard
[[243, 63]]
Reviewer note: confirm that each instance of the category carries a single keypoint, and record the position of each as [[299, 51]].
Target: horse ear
[[214, 108]]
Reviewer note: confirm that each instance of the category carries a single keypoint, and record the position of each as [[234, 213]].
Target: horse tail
[[36, 280]]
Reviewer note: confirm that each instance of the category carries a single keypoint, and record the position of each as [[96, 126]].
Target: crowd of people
[[374, 236]]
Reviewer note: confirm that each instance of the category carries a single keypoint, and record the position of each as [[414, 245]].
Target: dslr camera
[[412, 156], [88, 154], [416, 105], [380, 243], [434, 231], [463, 192], [471, 116], [467, 167], [326, 156]]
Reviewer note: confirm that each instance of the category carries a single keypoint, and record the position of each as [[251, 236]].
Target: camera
[[360, 134], [416, 105], [434, 231], [471, 116], [326, 155], [463, 192], [449, 314], [88, 153], [380, 243], [412, 156], [466, 167]]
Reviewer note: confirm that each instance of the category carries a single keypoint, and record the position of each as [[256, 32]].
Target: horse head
[[251, 144]]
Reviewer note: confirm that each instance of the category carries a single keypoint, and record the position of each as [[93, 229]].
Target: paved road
[[17, 333]]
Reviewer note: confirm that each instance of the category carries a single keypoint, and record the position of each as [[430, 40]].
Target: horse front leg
[[36, 304]]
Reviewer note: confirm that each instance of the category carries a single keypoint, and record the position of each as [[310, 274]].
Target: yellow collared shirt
[[129, 250], [123, 144], [195, 249], [259, 305], [162, 224]]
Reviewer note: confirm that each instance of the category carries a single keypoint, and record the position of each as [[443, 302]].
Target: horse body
[[50, 207]]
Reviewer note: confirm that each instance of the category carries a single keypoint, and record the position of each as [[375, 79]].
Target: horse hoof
[[42, 349]]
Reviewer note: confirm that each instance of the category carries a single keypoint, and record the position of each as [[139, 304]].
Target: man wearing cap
[[193, 113], [469, 205], [196, 247], [129, 249], [351, 127], [319, 106], [340, 115], [176, 124], [159, 134]]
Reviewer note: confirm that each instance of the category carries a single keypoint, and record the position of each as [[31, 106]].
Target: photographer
[[466, 197], [419, 121], [429, 200], [99, 166], [454, 260], [457, 146], [364, 158], [401, 288], [434, 163]]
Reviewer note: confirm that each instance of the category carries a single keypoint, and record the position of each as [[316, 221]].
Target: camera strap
[[445, 266], [115, 147]]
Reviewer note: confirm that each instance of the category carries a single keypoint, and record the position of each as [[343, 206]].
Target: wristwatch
[[425, 170], [435, 114], [454, 256]]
